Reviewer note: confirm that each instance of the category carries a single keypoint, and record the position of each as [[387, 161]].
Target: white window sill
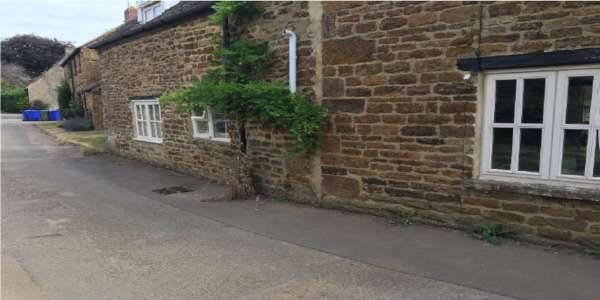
[[211, 139], [545, 188], [147, 140]]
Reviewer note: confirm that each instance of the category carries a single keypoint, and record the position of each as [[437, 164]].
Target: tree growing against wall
[[34, 53], [237, 86]]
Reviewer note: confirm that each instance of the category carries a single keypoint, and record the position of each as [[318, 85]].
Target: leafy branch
[[236, 86]]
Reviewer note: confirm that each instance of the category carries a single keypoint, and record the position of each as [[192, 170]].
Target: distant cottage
[[453, 113]]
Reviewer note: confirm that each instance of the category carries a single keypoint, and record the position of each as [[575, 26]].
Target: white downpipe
[[292, 58]]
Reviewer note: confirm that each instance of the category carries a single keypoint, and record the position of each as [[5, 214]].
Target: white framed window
[[150, 12], [147, 120], [542, 126], [210, 125]]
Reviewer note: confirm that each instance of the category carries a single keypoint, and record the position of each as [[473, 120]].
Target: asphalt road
[[78, 236], [78, 227]]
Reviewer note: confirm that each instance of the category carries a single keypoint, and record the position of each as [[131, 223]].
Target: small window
[[151, 11], [208, 124], [544, 126], [147, 120]]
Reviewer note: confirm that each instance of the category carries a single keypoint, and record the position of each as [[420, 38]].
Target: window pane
[[201, 126], [579, 100], [505, 101], [597, 155], [158, 131], [140, 126], [574, 152], [157, 112], [221, 128], [502, 148], [144, 129], [151, 112], [533, 100], [138, 111], [529, 151], [142, 112]]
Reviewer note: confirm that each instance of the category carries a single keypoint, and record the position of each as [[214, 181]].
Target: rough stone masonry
[[403, 134]]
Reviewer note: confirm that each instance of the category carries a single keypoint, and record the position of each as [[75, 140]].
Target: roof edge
[[153, 24]]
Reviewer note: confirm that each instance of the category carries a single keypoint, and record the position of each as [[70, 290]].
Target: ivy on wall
[[237, 86]]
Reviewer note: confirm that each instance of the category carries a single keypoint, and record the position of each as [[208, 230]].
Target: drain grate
[[173, 190]]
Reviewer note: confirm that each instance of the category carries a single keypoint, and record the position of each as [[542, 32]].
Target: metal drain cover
[[173, 190]]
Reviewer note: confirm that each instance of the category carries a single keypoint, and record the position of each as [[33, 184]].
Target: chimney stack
[[130, 14]]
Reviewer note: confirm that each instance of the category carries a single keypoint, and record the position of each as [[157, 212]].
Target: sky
[[75, 21]]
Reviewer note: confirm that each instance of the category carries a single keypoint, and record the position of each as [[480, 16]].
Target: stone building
[[450, 113], [44, 87], [82, 73]]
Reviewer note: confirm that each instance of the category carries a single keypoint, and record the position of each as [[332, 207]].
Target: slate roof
[[175, 13]]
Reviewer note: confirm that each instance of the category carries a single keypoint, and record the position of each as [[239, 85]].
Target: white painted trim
[[552, 128], [542, 69], [560, 125], [207, 116], [146, 120]]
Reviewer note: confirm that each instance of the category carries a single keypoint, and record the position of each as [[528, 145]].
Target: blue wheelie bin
[[54, 115], [34, 115]]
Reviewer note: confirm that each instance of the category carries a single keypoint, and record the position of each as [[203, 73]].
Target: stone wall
[[86, 63], [44, 87], [404, 134], [149, 66], [273, 172]]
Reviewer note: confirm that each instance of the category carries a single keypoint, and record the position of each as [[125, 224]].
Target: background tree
[[35, 54]]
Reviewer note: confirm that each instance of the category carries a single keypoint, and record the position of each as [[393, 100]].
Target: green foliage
[[242, 62], [34, 53], [64, 95], [13, 99], [68, 108], [225, 9], [491, 232], [237, 87], [401, 218], [266, 102]]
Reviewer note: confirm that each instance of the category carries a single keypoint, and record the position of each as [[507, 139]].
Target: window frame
[[551, 145], [210, 135], [155, 8], [560, 124], [147, 120]]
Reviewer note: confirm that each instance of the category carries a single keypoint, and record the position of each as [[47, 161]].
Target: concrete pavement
[[91, 228]]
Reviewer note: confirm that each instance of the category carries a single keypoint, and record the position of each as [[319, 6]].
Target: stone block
[[340, 186], [347, 51]]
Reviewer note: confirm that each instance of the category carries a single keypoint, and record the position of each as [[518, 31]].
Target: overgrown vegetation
[[225, 9], [68, 108], [491, 233], [401, 218], [14, 98], [34, 53], [237, 86]]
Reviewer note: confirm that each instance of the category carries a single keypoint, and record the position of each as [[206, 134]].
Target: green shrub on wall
[[68, 108], [237, 87]]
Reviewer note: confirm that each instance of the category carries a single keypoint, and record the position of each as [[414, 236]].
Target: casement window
[[543, 127], [210, 125], [147, 120], [150, 12]]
